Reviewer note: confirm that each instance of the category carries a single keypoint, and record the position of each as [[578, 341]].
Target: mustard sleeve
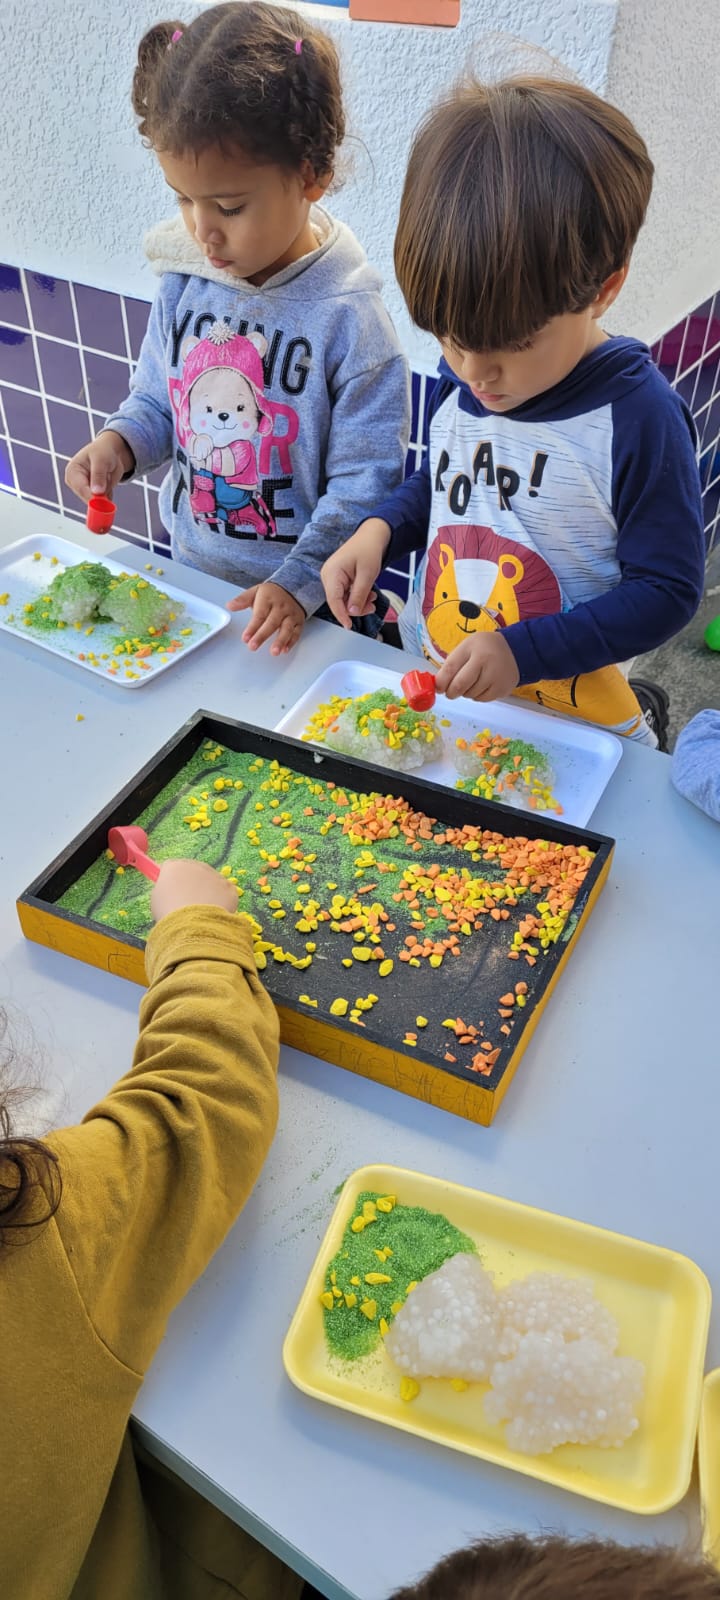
[[156, 1174]]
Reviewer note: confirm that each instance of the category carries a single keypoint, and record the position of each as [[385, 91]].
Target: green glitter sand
[[420, 1241], [337, 915]]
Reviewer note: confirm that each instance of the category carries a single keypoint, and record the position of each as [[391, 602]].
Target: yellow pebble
[[374, 1278], [396, 1306], [385, 968], [409, 1389], [338, 1294], [346, 961], [369, 1210], [357, 1224], [225, 872], [356, 1282], [220, 805], [79, 717], [361, 953], [326, 1300], [386, 1202], [411, 1286], [384, 1327], [421, 1022], [369, 1309], [350, 1301], [339, 1007]]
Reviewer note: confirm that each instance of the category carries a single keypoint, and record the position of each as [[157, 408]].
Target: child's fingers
[[265, 621], [287, 635], [77, 477], [451, 666], [360, 603], [244, 601], [337, 583]]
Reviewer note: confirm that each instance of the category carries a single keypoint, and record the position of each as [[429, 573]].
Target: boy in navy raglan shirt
[[558, 505]]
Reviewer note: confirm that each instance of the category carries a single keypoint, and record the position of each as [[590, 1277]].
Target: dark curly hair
[[30, 1181], [518, 1568], [235, 78]]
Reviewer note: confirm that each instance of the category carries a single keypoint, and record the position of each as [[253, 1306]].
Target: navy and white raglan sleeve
[[656, 503], [407, 511], [145, 419]]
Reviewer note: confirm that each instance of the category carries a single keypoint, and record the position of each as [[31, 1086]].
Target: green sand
[[420, 1241], [253, 811]]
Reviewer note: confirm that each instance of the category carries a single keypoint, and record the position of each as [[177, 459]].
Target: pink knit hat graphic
[[221, 348]]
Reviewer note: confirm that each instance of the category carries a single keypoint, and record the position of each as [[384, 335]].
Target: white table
[[612, 1117]]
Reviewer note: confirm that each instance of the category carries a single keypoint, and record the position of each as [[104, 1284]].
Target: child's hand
[[483, 667], [273, 611], [190, 883], [99, 466], [349, 574]]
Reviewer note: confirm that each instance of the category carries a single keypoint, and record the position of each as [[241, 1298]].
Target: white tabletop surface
[[612, 1118]]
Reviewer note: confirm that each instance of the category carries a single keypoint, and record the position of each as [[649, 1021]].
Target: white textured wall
[[77, 189], [664, 73]]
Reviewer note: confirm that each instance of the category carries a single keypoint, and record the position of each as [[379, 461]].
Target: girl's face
[[248, 219]]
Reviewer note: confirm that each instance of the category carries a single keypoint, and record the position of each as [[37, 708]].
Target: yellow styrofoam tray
[[709, 1464], [661, 1301]]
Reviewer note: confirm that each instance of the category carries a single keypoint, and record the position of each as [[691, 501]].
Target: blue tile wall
[[67, 353]]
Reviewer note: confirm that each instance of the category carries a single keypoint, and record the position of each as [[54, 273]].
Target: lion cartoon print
[[476, 582], [220, 411]]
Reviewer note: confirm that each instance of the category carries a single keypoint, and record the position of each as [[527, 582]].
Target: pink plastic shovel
[[129, 847]]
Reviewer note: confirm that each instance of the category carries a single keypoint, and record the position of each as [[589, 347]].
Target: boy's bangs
[[519, 201]]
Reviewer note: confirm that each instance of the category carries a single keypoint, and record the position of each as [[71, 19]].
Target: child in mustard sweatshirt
[[117, 1218]]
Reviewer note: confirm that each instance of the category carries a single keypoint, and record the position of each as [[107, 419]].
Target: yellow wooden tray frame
[[336, 1040]]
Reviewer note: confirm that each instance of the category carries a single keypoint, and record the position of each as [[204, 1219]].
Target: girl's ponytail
[[152, 57]]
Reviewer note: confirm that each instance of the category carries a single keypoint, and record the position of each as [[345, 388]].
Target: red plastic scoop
[[419, 690], [129, 847], [100, 514]]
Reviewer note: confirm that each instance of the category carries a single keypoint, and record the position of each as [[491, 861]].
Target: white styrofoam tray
[[24, 579], [583, 758]]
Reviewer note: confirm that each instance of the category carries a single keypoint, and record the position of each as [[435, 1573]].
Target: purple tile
[[35, 472], [51, 306], [100, 320], [108, 382], [17, 362], [131, 514], [25, 419], [157, 476], [69, 427], [61, 371], [137, 313], [12, 300], [6, 472]]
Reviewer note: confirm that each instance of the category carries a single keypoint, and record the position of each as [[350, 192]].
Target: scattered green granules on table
[[385, 1252], [361, 909]]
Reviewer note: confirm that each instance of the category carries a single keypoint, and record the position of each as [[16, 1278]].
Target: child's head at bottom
[[518, 1568], [522, 203]]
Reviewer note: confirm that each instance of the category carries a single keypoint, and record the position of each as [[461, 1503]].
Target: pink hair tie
[[298, 47], [177, 35]]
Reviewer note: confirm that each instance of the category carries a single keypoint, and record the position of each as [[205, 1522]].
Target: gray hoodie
[[283, 410]]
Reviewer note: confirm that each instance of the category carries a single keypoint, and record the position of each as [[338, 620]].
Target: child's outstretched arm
[[397, 526], [157, 1172], [139, 435], [660, 552], [364, 460]]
